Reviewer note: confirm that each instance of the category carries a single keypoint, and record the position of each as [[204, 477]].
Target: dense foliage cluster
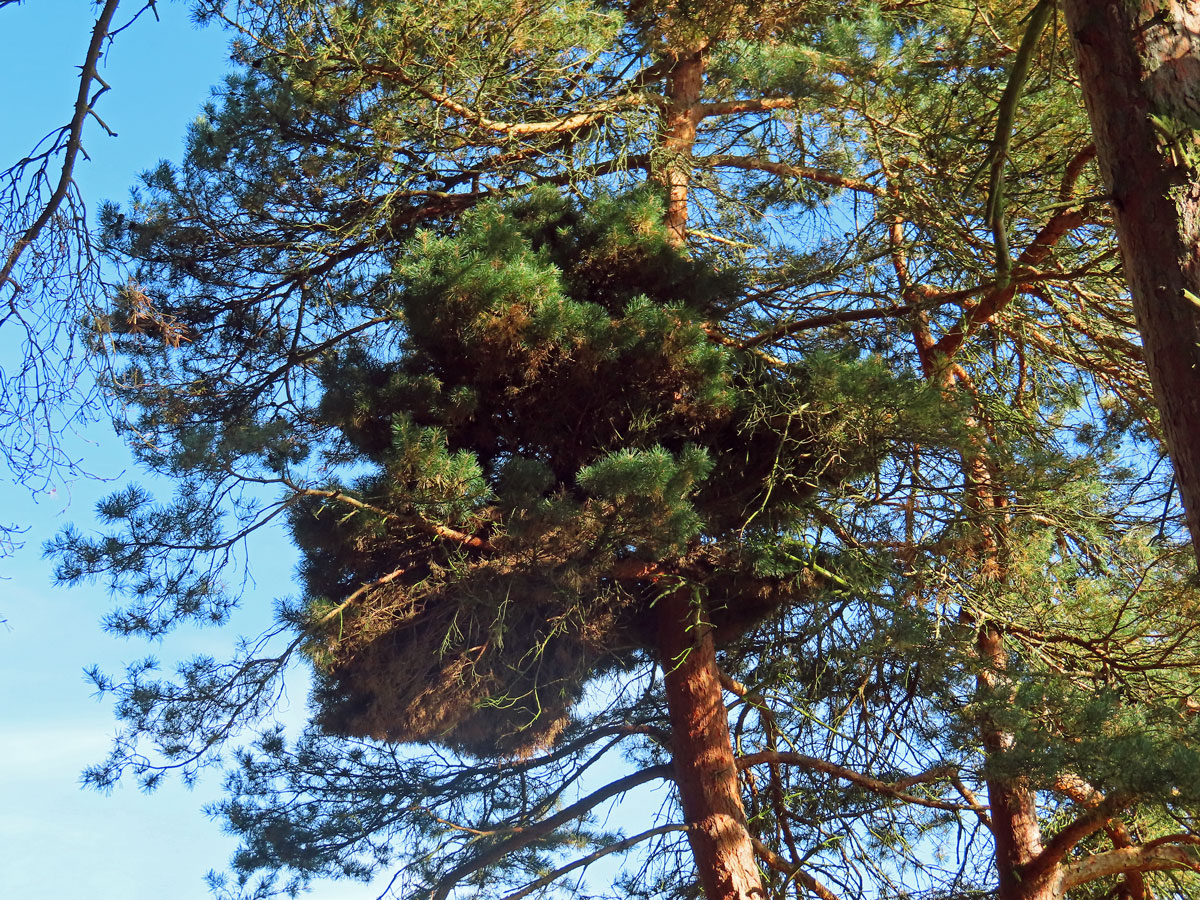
[[555, 395]]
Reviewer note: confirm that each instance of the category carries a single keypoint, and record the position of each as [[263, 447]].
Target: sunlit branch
[[433, 528], [1147, 858], [785, 170], [1057, 848], [781, 865], [1003, 293], [896, 789], [752, 105]]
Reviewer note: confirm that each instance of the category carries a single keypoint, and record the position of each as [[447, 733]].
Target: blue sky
[[60, 840]]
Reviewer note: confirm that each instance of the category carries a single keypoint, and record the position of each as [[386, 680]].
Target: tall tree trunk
[[1139, 66], [1015, 830], [1016, 833], [700, 743], [703, 754]]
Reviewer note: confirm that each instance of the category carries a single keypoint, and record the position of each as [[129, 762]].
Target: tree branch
[[785, 170], [84, 103], [629, 99], [525, 836], [995, 301], [896, 790], [618, 847], [1006, 114], [1091, 821], [834, 318], [781, 865], [1147, 858], [735, 107]]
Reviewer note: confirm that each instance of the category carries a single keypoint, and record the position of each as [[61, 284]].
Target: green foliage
[[568, 413]]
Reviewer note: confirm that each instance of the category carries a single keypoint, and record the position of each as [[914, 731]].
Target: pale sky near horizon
[[58, 840]]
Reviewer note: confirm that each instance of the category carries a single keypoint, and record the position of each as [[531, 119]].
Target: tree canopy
[[741, 396]]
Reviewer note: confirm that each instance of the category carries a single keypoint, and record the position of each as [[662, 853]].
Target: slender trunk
[[1015, 830], [700, 744], [1016, 834], [1139, 67], [682, 116], [703, 754]]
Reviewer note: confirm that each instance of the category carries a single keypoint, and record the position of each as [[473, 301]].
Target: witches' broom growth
[[556, 436]]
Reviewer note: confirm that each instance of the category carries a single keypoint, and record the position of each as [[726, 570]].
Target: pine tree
[[778, 351], [568, 471]]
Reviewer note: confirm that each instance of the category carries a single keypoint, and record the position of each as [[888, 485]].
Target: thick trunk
[[700, 744], [1139, 67], [703, 754], [1016, 834]]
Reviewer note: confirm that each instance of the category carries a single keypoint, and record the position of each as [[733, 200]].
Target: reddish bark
[[998, 298], [1133, 885], [702, 751], [1015, 830], [1138, 59], [683, 113], [705, 770]]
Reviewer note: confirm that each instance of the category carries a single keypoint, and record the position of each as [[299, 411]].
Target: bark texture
[[1015, 830], [703, 754], [1139, 67], [682, 115]]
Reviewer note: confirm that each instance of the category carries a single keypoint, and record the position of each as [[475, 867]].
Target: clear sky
[[56, 839]]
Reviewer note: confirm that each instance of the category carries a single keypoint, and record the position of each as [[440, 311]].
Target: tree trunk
[[700, 744], [1016, 834], [1015, 830], [703, 753], [682, 115], [1139, 67]]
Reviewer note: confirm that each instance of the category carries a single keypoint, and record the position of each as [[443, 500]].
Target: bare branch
[[618, 847], [785, 170], [525, 836], [84, 105]]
